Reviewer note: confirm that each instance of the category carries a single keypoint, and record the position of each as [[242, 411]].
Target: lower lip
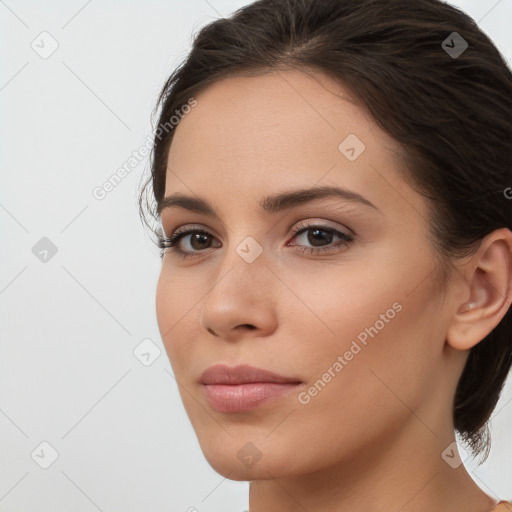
[[245, 397]]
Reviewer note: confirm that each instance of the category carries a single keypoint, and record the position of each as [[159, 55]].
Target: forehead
[[251, 135], [279, 112]]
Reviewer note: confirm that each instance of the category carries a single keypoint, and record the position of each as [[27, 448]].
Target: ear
[[488, 292]]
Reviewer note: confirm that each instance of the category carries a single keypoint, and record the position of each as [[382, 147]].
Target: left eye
[[317, 234], [200, 239]]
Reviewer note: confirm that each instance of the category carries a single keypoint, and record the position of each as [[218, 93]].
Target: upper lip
[[222, 374]]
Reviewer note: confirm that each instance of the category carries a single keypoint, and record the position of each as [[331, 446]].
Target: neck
[[405, 472]]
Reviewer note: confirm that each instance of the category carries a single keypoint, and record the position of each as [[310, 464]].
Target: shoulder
[[503, 506]]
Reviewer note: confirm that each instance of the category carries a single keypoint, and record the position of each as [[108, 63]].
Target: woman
[[336, 239]]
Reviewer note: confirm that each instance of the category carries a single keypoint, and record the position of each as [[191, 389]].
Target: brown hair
[[450, 113]]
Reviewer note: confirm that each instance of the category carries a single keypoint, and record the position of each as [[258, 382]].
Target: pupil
[[312, 240], [196, 238]]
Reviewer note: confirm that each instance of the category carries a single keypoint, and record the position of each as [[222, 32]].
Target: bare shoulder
[[503, 506]]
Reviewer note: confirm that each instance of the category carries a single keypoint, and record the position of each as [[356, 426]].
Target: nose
[[241, 301], [247, 326]]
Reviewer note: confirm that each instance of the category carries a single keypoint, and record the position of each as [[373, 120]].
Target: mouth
[[243, 388]]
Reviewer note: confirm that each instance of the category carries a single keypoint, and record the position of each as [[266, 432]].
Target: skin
[[372, 438]]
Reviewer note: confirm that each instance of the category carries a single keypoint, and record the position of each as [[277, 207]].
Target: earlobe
[[489, 286]]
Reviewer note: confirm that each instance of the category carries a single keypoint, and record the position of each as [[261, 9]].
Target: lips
[[242, 374], [243, 388]]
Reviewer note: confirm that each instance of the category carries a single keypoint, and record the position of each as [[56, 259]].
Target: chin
[[244, 460], [233, 469], [240, 459]]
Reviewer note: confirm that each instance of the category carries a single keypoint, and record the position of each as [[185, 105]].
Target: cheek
[[364, 402], [172, 310], [174, 300], [334, 304], [164, 306], [381, 331]]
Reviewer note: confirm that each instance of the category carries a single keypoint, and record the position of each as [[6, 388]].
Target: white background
[[68, 375]]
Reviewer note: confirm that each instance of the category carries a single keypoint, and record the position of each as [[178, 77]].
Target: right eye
[[199, 237]]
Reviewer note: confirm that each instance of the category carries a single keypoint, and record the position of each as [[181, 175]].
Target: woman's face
[[361, 325]]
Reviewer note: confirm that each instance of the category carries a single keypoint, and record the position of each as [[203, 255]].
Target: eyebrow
[[269, 204]]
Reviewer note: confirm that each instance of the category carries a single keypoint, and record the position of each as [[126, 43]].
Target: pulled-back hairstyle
[[451, 115]]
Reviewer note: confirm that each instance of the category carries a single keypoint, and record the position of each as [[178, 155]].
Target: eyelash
[[171, 243]]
